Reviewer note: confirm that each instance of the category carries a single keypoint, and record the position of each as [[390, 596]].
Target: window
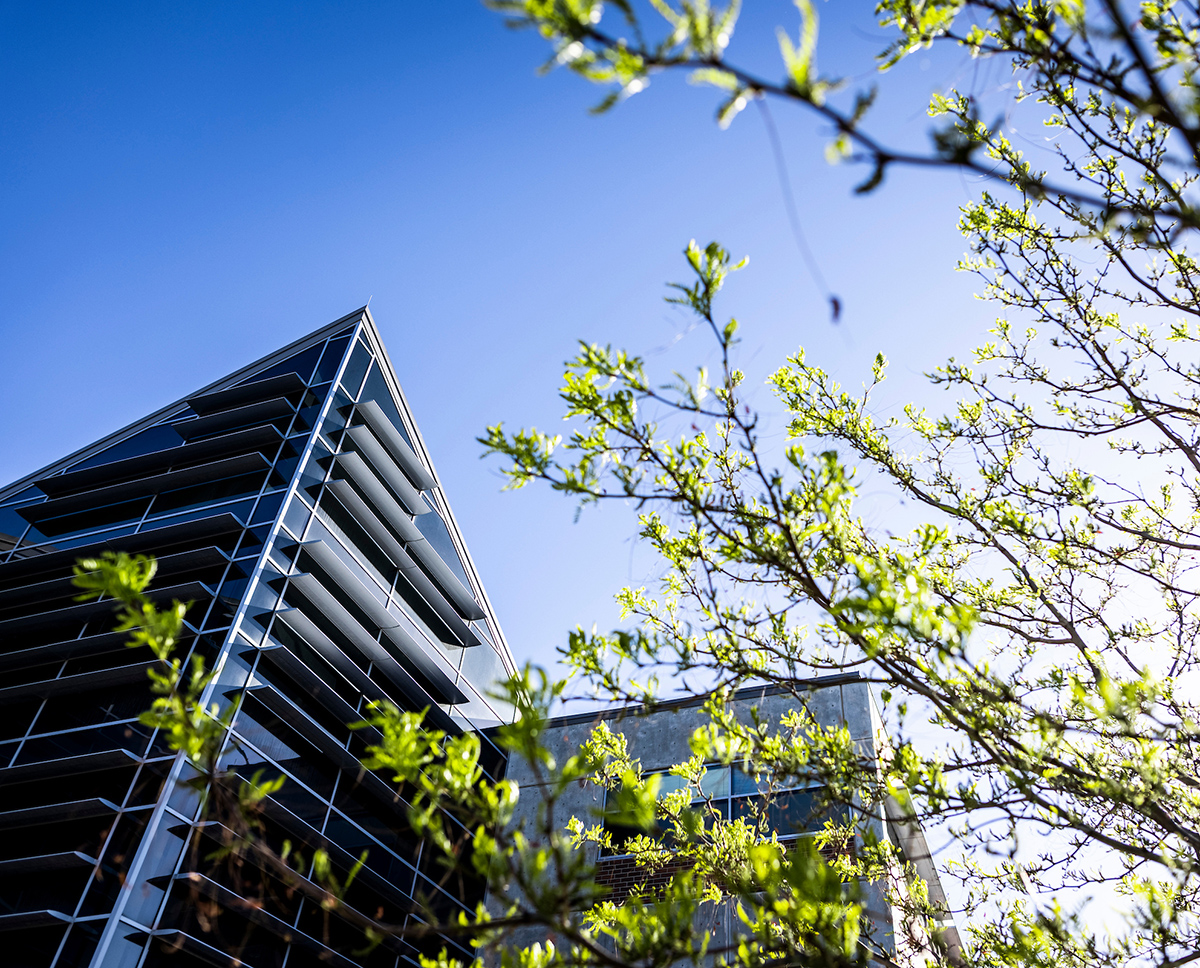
[[794, 810]]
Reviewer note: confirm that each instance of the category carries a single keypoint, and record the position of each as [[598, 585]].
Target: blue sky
[[187, 187]]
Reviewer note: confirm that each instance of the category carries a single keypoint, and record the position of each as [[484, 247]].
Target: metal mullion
[[337, 783], [66, 934], [122, 814], [290, 492], [17, 541], [224, 651], [29, 730], [146, 513]]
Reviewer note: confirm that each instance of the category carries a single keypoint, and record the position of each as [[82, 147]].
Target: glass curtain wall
[[294, 506]]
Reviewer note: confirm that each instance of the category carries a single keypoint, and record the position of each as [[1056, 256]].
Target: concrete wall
[[659, 739]]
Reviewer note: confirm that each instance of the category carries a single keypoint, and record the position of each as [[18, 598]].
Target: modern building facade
[[295, 504], [658, 738]]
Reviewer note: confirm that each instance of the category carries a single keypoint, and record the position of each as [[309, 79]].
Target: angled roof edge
[[228, 380], [371, 330], [759, 691]]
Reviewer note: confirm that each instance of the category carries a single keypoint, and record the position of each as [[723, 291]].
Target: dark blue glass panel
[[301, 363], [356, 369], [376, 389], [793, 812], [743, 783], [81, 942], [268, 507], [234, 589], [12, 526], [25, 495], [146, 442], [438, 535], [314, 474], [336, 420], [252, 542], [309, 413], [295, 519], [15, 717], [327, 369], [35, 946]]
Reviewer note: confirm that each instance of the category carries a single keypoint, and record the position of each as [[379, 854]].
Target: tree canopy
[[1032, 636]]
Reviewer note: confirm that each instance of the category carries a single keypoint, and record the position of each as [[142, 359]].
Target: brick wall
[[622, 875]]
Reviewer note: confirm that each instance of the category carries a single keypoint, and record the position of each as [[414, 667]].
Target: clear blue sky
[[186, 187]]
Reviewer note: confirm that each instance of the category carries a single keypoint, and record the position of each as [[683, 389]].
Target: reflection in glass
[[356, 369]]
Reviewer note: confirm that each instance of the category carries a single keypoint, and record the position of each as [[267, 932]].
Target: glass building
[[294, 503]]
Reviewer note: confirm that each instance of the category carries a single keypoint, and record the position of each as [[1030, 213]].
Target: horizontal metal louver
[[380, 497], [424, 552], [284, 385], [115, 493], [33, 919], [391, 546], [252, 415], [309, 682], [428, 667], [302, 723], [305, 833], [368, 445], [396, 445], [189, 591], [328, 561], [263, 918], [74, 810], [68, 766], [83, 682], [230, 445], [58, 651], [303, 626], [46, 862], [180, 563], [309, 632], [416, 543], [153, 540], [333, 610]]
